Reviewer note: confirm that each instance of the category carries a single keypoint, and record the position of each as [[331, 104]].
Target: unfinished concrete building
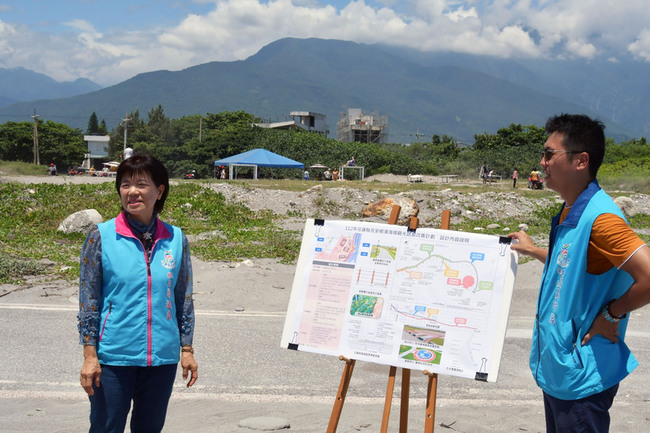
[[355, 126]]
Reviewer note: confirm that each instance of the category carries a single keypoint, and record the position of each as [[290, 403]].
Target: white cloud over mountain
[[235, 29]]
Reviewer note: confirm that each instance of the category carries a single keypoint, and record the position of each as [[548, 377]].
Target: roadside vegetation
[[30, 214]]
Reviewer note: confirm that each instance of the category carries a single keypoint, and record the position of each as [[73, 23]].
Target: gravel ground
[[496, 202]]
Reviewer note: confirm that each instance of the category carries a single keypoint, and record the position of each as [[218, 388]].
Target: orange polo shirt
[[612, 243]]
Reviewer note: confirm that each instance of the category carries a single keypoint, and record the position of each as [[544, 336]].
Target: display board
[[423, 299]]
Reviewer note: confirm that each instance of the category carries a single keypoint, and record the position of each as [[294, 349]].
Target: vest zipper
[[147, 259]]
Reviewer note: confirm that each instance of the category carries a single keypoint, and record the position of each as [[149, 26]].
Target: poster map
[[427, 299]]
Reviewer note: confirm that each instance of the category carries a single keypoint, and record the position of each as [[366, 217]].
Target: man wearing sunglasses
[[596, 271]]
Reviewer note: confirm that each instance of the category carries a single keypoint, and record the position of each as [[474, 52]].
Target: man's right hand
[[523, 244]]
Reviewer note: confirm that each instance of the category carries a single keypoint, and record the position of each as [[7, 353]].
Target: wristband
[[607, 314], [187, 349]]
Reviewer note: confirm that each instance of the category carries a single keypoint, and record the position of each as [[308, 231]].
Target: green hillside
[[324, 76]]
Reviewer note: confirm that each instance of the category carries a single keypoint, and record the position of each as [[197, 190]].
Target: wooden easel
[[432, 386]]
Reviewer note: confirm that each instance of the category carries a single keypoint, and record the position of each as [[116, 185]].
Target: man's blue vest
[[569, 300], [138, 319]]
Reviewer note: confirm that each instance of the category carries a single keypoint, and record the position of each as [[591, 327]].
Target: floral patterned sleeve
[[183, 297], [90, 288]]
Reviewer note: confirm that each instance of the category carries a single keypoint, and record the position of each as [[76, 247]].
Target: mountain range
[[20, 84], [421, 94]]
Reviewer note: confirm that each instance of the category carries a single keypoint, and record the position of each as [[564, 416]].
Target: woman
[[136, 314]]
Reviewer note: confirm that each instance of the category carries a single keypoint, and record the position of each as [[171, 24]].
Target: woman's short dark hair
[[145, 165]]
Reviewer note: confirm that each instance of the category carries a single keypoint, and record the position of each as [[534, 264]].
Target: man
[[596, 271]]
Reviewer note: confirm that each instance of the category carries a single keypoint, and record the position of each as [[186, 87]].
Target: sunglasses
[[547, 154]]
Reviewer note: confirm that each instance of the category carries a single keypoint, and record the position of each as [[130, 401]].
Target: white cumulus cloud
[[640, 48], [236, 29]]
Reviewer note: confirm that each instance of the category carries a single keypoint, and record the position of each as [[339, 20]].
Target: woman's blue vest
[[569, 300], [138, 318]]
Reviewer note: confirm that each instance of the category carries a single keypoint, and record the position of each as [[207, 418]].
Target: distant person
[[483, 173], [515, 176], [351, 163], [51, 170], [327, 174], [335, 174], [136, 314], [535, 179], [306, 175], [596, 271], [128, 153]]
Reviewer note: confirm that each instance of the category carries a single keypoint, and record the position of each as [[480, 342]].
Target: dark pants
[[587, 415], [148, 387]]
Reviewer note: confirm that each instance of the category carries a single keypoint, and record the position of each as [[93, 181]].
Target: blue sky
[[109, 41]]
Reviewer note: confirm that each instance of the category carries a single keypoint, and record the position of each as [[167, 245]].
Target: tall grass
[[14, 168], [30, 215]]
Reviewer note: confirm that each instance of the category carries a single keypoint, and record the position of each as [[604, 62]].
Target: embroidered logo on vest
[[168, 304], [562, 263], [168, 260]]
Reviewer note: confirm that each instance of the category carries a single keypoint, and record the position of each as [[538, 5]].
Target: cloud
[[236, 29], [640, 48], [81, 25]]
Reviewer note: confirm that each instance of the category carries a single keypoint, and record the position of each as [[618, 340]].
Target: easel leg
[[389, 399], [432, 389], [340, 395], [404, 405]]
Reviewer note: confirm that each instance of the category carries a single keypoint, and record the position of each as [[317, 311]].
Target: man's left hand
[[601, 326]]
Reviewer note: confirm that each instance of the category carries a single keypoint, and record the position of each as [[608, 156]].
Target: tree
[[93, 124], [158, 123], [516, 146], [138, 135], [61, 144], [58, 143], [17, 141]]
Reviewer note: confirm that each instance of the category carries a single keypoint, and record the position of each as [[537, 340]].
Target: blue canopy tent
[[256, 158]]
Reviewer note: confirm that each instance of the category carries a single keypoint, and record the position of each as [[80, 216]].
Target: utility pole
[[126, 129], [37, 159], [418, 135]]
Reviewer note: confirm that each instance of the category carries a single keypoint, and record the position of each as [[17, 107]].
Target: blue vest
[[569, 300], [138, 319]]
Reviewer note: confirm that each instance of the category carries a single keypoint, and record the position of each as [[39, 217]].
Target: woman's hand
[[189, 366], [91, 370]]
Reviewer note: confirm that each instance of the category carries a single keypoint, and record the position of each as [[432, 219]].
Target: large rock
[[80, 222], [627, 206], [384, 207]]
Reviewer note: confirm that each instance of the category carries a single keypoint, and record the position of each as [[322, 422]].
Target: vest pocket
[[575, 351], [110, 308]]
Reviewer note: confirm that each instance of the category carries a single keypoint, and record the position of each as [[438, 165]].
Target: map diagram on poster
[[424, 299]]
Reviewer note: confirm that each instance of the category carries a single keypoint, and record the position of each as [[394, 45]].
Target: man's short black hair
[[580, 133], [147, 165]]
